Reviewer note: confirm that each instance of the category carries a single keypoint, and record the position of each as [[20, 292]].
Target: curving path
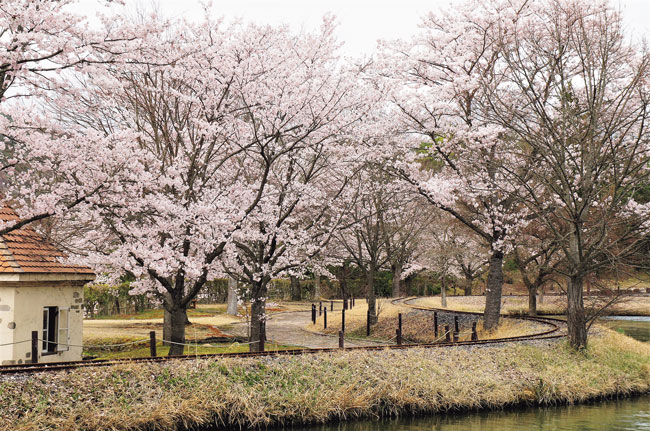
[[288, 328], [557, 327]]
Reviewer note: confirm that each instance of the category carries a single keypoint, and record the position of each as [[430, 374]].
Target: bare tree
[[574, 93]]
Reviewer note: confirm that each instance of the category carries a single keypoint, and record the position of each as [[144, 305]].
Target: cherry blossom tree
[[572, 91], [363, 243], [470, 256], [233, 133], [304, 205], [536, 256], [404, 225], [40, 162], [454, 157]]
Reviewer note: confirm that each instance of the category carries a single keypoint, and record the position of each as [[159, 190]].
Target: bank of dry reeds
[[318, 388]]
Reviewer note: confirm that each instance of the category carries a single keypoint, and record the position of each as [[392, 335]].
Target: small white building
[[38, 293]]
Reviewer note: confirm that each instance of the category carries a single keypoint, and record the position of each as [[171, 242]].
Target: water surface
[[634, 326], [617, 415]]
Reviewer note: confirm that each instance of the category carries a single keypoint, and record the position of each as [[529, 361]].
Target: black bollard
[[474, 333], [398, 333], [435, 323], [456, 324], [399, 324], [320, 308], [331, 305], [447, 333], [455, 337], [152, 344], [313, 313], [345, 303], [34, 354], [325, 318], [343, 320]]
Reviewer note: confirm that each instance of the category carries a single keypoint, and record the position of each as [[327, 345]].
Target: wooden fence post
[[152, 344], [447, 333], [34, 347], [398, 333], [343, 320], [474, 333], [331, 305], [435, 323], [341, 342], [325, 318]]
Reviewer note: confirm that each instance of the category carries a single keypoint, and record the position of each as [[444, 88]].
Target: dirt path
[[287, 328]]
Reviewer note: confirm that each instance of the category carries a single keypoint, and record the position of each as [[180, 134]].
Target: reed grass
[[232, 393]]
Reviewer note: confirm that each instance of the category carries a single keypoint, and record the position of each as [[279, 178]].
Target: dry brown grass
[[233, 393], [355, 318], [418, 328], [633, 305]]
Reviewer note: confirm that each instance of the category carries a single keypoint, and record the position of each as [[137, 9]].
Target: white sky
[[361, 22]]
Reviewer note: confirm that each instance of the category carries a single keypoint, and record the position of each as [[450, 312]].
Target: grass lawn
[[633, 305], [206, 320], [142, 351]]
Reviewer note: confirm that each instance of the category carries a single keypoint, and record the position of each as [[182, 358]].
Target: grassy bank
[[320, 388]]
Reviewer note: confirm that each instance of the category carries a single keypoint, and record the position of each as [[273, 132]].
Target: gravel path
[[287, 328]]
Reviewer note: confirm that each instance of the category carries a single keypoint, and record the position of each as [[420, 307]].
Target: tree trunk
[[397, 275], [258, 311], [174, 329], [167, 326], [468, 284], [317, 293], [342, 275], [232, 297], [443, 290], [372, 301], [295, 289], [408, 284], [493, 291], [576, 321], [532, 301]]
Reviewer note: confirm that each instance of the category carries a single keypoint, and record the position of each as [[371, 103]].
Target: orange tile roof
[[24, 250]]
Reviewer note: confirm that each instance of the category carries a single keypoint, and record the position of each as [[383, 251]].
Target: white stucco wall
[[6, 318], [27, 316]]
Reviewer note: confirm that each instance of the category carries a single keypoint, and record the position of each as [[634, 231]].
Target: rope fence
[[398, 339]]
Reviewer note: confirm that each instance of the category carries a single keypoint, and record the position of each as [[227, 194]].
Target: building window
[[56, 330], [50, 315]]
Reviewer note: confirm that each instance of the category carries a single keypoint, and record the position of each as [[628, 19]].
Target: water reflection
[[619, 415], [634, 326]]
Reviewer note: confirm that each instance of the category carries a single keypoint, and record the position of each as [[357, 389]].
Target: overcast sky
[[361, 22]]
